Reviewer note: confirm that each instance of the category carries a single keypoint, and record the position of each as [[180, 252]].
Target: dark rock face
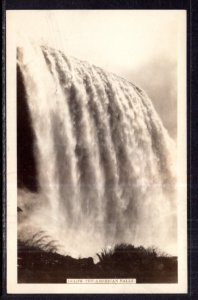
[[26, 163], [19, 209]]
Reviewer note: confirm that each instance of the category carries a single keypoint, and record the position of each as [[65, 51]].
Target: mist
[[137, 45], [158, 77]]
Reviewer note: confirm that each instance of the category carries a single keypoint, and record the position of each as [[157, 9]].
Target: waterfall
[[96, 167]]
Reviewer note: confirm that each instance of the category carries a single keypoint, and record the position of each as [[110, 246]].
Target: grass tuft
[[40, 262]]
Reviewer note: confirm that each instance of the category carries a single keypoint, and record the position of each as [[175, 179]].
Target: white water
[[106, 164]]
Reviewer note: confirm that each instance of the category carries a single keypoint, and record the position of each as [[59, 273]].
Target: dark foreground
[[124, 261]]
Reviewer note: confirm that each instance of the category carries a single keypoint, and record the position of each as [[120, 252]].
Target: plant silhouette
[[40, 262]]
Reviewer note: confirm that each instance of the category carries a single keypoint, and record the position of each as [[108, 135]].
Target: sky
[[139, 45]]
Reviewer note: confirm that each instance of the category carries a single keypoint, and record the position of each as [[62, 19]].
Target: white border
[[12, 285]]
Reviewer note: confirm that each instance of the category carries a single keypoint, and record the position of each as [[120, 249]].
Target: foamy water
[[105, 163]]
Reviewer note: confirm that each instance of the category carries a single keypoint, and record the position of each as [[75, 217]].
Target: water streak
[[105, 163]]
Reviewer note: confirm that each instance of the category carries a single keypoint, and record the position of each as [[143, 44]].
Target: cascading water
[[102, 169]]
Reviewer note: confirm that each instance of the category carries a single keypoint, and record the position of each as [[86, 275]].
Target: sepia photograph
[[96, 151]]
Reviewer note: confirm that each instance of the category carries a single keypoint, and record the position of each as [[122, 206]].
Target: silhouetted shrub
[[40, 265], [42, 241]]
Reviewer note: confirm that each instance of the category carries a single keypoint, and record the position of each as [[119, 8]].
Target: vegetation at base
[[39, 264]]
